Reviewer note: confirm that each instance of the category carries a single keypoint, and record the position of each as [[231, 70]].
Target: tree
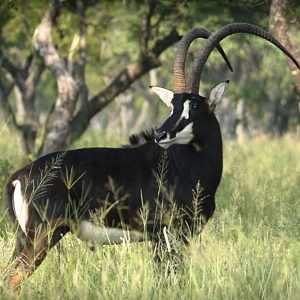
[[86, 53], [62, 121], [25, 78], [279, 25]]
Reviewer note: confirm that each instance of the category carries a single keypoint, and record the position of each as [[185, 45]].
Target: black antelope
[[104, 195]]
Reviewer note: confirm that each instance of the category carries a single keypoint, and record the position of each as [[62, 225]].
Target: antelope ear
[[216, 94], [164, 94]]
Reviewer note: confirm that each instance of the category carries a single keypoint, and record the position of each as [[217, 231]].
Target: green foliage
[[5, 166], [294, 5], [20, 21], [5, 169], [7, 8]]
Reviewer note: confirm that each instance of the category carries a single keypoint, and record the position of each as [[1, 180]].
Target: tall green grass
[[250, 249]]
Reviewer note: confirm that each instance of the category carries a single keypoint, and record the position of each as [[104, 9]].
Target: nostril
[[158, 136]]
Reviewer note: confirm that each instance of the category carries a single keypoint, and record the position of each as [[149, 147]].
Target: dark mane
[[140, 139]]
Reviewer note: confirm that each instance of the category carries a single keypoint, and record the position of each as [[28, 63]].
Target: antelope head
[[189, 117]]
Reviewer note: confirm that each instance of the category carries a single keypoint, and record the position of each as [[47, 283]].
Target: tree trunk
[[242, 126], [66, 86], [278, 24], [26, 82], [271, 112]]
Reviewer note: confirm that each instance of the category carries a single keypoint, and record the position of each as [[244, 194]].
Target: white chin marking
[[182, 137], [97, 235], [20, 205]]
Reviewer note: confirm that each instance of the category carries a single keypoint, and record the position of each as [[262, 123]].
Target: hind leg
[[30, 255], [20, 242]]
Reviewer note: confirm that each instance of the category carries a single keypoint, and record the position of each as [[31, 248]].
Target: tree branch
[[146, 27], [4, 92], [26, 85], [13, 70], [8, 114], [28, 62], [34, 78], [71, 53], [122, 81], [82, 53]]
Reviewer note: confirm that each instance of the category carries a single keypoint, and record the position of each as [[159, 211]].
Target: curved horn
[[179, 64], [194, 76]]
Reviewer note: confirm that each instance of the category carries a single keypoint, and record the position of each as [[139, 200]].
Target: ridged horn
[[194, 75], [179, 64]]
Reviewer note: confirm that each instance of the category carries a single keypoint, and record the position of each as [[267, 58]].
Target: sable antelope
[[64, 191]]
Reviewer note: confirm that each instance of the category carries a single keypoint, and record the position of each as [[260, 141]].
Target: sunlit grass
[[250, 249]]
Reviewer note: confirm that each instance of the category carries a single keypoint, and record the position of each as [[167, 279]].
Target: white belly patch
[[96, 235], [20, 205]]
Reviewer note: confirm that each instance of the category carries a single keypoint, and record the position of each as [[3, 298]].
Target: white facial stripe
[[186, 109], [185, 112], [171, 109], [182, 137]]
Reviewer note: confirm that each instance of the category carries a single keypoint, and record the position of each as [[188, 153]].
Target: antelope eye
[[195, 106]]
